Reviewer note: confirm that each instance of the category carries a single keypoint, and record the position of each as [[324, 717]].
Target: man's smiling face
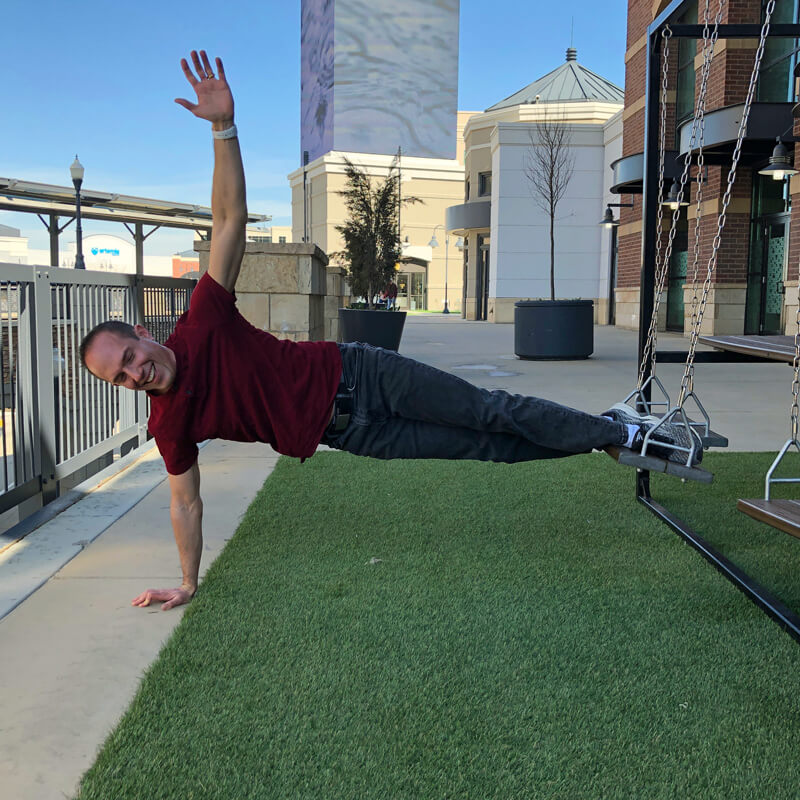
[[140, 364]]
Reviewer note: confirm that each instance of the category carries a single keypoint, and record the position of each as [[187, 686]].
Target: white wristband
[[228, 133]]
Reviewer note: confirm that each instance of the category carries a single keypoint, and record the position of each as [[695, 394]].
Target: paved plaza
[[74, 649]]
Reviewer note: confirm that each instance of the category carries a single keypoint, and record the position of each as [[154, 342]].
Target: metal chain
[[709, 41], [696, 140], [726, 199], [697, 136], [649, 347]]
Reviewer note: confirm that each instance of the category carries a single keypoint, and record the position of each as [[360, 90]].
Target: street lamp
[[672, 200], [434, 243], [76, 171], [608, 221], [780, 163]]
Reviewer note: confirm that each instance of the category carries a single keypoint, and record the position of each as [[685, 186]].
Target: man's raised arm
[[228, 198]]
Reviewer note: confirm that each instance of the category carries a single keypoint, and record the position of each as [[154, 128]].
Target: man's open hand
[[169, 597], [214, 98]]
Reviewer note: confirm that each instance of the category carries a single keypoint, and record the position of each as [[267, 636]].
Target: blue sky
[[98, 79]]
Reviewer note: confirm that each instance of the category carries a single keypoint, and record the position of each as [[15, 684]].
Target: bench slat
[[781, 514]]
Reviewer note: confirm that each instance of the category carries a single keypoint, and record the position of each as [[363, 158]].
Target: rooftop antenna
[[571, 29]]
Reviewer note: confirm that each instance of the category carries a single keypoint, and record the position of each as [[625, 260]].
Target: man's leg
[[402, 438], [387, 385]]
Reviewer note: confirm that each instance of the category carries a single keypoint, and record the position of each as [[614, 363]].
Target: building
[[379, 76], [380, 81], [506, 234], [438, 183], [753, 268]]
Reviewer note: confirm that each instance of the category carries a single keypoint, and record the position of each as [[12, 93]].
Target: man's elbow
[[231, 217]]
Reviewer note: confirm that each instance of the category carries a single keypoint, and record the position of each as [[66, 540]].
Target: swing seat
[[630, 458], [784, 515], [711, 439]]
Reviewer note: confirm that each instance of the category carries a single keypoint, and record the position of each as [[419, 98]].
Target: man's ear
[[142, 332]]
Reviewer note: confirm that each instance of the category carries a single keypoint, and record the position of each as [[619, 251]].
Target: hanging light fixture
[[671, 200], [608, 221], [780, 163]]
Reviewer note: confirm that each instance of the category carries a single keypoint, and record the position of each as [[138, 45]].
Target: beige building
[[274, 234], [506, 235], [317, 208]]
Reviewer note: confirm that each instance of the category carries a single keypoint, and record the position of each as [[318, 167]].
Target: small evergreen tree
[[371, 237]]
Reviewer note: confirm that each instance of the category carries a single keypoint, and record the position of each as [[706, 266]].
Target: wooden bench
[[781, 514], [773, 348]]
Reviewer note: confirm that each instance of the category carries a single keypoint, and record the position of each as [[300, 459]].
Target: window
[[281, 240], [775, 84], [466, 191], [484, 184]]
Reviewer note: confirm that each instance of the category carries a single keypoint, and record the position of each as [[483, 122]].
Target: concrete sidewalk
[[73, 651]]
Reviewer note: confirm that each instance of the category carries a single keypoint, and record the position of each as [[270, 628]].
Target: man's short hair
[[112, 326]]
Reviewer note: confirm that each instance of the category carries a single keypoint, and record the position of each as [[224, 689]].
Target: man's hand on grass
[[169, 597]]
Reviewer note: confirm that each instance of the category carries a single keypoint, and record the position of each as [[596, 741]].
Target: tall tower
[[378, 75]]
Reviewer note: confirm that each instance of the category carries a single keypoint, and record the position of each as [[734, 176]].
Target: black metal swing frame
[[784, 616]]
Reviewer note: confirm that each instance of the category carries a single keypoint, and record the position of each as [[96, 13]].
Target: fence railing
[[58, 420]]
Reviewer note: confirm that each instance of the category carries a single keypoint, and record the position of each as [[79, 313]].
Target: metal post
[[446, 310], [649, 217], [138, 239], [54, 232], [43, 355], [79, 262], [399, 191], [612, 276], [76, 171]]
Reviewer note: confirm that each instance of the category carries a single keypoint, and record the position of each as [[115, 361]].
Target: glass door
[[482, 278], [677, 276], [764, 305], [412, 291]]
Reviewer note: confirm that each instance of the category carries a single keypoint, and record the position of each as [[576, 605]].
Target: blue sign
[[107, 250]]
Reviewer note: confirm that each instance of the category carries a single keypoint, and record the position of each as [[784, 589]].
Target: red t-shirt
[[237, 382]]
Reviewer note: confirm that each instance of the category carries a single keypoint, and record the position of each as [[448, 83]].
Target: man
[[217, 376], [391, 295]]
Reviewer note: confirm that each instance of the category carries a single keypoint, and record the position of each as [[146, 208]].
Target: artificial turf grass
[[530, 632]]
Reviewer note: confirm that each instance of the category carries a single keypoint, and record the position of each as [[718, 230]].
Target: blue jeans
[[405, 409]]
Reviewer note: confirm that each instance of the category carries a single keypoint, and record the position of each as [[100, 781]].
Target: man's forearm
[[187, 525], [228, 194]]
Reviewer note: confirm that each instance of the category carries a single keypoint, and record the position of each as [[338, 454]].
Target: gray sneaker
[[669, 433], [622, 412]]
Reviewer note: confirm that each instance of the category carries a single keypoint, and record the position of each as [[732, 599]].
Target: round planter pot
[[554, 329], [378, 328]]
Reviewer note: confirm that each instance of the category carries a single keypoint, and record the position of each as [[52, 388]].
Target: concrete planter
[[378, 328], [554, 329]]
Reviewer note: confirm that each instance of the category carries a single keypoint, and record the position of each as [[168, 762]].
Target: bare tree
[[549, 165]]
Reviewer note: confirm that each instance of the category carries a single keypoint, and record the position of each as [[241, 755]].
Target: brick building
[[756, 261]]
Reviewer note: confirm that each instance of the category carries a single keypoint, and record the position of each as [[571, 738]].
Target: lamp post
[[434, 243], [76, 171], [460, 248], [610, 224]]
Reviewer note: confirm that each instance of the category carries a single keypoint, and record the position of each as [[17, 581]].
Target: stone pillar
[[337, 292], [282, 289]]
